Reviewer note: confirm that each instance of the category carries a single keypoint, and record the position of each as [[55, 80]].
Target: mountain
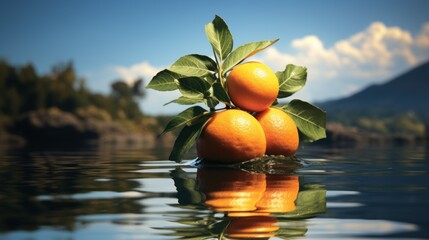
[[407, 92]]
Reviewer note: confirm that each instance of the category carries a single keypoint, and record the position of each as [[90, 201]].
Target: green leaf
[[211, 102], [193, 87], [310, 120], [194, 65], [210, 79], [243, 52], [186, 101], [183, 118], [219, 37], [164, 81], [220, 93], [186, 188], [187, 138], [291, 80]]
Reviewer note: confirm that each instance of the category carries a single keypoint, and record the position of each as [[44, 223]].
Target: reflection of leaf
[[195, 226], [292, 231], [310, 202], [186, 233], [185, 186], [218, 228]]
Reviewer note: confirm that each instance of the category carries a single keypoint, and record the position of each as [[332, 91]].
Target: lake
[[105, 192]]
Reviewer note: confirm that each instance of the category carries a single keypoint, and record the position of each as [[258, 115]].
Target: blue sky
[[346, 45]]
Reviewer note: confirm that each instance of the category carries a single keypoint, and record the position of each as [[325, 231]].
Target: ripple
[[103, 179], [337, 193], [156, 185], [319, 171], [327, 227], [343, 204], [315, 160], [92, 195]]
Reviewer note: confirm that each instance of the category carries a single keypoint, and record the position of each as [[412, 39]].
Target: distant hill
[[406, 93]]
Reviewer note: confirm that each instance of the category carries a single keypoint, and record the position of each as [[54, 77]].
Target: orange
[[280, 194], [231, 136], [252, 86], [280, 131], [230, 190], [252, 227]]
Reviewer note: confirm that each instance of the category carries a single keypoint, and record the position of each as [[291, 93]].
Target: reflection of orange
[[252, 227], [247, 214], [280, 194], [230, 189]]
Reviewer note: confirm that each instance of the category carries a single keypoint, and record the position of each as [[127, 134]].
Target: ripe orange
[[280, 131], [280, 194], [230, 190], [252, 227], [252, 86], [231, 136]]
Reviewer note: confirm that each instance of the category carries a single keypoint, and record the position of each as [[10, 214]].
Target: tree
[[23, 90], [125, 98]]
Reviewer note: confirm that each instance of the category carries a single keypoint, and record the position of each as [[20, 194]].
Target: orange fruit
[[280, 131], [252, 86], [230, 190], [252, 227], [280, 194], [231, 136]]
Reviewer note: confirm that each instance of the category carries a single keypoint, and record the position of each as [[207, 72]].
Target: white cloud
[[422, 39], [310, 52], [139, 70], [373, 55], [376, 47]]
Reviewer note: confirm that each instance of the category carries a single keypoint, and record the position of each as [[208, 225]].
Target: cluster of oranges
[[253, 129]]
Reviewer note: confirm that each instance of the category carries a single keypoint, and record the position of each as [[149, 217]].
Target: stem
[[217, 61], [219, 65], [220, 77], [222, 108], [197, 118]]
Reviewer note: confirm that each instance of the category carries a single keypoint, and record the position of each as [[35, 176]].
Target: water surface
[[105, 192]]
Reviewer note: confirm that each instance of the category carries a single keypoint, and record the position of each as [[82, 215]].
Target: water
[[101, 192]]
